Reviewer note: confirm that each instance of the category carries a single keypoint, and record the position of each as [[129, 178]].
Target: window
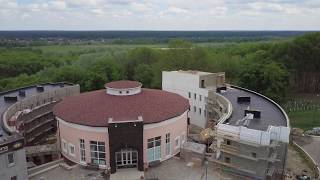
[[227, 160], [202, 83], [204, 113], [71, 149], [168, 144], [120, 92], [195, 96], [194, 108], [13, 178], [11, 160], [154, 149], [177, 142], [228, 142], [200, 97], [254, 154], [82, 151], [189, 94], [199, 110], [97, 152], [64, 146], [127, 92]]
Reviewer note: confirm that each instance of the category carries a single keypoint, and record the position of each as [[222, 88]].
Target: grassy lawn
[[305, 119]]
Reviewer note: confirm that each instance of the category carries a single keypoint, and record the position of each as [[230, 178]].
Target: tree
[[270, 79], [180, 44], [71, 74], [143, 73], [95, 81], [140, 56]]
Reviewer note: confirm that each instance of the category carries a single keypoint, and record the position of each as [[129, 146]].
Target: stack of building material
[[193, 152]]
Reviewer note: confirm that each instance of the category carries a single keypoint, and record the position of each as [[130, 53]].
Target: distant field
[[305, 119], [80, 47], [97, 47]]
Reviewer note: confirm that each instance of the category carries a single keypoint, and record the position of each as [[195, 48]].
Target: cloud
[[58, 5], [98, 11], [177, 10], [84, 3], [140, 7], [163, 15]]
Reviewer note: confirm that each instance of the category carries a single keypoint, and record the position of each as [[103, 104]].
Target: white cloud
[[98, 11], [141, 7], [177, 10], [84, 3], [8, 4], [156, 14], [218, 11], [58, 5]]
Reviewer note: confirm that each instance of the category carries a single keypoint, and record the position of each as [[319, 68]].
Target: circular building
[[122, 126]]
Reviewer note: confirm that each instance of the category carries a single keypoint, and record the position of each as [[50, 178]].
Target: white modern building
[[199, 88], [250, 132]]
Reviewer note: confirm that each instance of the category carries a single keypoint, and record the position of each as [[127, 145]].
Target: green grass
[[305, 119]]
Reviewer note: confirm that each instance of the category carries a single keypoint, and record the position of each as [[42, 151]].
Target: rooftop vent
[[40, 88], [10, 98], [219, 89], [256, 114], [22, 93], [245, 121], [244, 99], [123, 88]]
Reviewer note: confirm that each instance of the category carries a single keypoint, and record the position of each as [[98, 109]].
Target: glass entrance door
[[126, 158]]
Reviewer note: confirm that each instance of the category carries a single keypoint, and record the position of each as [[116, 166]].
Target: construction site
[[229, 132]]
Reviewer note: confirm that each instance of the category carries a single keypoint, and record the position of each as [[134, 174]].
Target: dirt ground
[[176, 169], [296, 164]]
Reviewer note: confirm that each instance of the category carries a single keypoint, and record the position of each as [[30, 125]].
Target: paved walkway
[[311, 145], [126, 174], [76, 173], [174, 169]]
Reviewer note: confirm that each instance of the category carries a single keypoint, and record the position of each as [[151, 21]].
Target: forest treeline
[[277, 69]]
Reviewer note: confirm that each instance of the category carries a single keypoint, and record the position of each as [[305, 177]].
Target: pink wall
[[175, 126], [73, 135]]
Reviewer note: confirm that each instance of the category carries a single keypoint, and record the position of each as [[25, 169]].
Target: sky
[[159, 15]]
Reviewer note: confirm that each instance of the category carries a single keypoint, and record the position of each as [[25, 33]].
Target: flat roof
[[29, 91], [271, 115], [194, 72]]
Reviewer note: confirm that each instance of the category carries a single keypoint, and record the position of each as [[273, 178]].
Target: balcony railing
[[229, 148], [30, 140], [39, 125]]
